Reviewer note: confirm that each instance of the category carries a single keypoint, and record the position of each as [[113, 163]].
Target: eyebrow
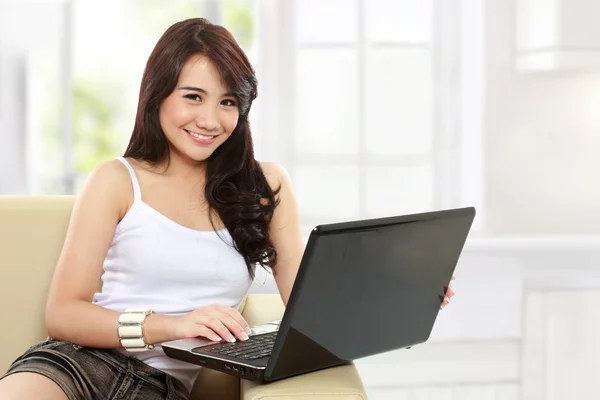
[[195, 89]]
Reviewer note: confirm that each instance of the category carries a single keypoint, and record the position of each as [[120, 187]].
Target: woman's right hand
[[213, 322]]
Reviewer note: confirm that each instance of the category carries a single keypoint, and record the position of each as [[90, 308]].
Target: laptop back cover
[[367, 287]]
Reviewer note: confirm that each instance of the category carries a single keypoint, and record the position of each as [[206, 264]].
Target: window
[[369, 110], [374, 107], [32, 104]]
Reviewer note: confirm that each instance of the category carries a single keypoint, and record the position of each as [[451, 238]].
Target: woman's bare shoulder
[[111, 180], [275, 174], [110, 173]]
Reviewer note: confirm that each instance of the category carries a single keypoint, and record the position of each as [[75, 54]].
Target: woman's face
[[200, 114]]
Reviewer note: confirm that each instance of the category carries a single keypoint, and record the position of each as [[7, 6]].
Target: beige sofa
[[32, 230]]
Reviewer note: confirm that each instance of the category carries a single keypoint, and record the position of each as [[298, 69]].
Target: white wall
[[542, 140]]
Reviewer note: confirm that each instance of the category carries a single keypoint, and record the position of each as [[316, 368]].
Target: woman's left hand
[[449, 294]]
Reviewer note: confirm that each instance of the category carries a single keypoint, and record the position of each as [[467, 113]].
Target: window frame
[[457, 151]]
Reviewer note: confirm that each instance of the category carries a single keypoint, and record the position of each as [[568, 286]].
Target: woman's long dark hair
[[236, 186]]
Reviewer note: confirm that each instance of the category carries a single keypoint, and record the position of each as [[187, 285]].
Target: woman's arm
[[284, 230], [70, 314]]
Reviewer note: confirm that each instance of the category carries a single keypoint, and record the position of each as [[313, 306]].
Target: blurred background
[[375, 108]]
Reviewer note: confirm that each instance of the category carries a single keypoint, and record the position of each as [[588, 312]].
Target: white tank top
[[154, 262]]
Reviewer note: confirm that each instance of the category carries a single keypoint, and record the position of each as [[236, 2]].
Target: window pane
[[399, 104], [319, 21], [31, 95], [399, 20], [330, 193], [238, 18], [326, 102], [106, 78], [399, 190], [13, 134]]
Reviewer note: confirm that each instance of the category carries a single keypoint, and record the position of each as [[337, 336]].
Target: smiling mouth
[[200, 136]]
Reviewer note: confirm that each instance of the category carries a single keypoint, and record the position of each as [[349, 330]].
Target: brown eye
[[194, 97], [229, 103]]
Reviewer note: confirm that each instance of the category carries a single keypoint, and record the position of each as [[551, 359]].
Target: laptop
[[363, 288]]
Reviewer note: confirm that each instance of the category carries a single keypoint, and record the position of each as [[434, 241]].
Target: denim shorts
[[97, 374]]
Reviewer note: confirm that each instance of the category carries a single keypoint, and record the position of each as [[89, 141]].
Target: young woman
[[174, 228]]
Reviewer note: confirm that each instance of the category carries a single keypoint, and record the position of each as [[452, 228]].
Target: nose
[[207, 119]]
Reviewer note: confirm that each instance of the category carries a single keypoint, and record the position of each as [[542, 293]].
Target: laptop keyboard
[[257, 346]]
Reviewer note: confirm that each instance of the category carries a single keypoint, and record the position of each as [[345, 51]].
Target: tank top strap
[[137, 193]]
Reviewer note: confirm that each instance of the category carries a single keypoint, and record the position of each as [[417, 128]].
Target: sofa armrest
[[341, 383], [338, 383], [260, 308]]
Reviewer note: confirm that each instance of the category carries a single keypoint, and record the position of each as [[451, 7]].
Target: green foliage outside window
[[238, 19], [94, 137]]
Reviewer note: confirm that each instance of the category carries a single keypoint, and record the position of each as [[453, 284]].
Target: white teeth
[[197, 135]]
